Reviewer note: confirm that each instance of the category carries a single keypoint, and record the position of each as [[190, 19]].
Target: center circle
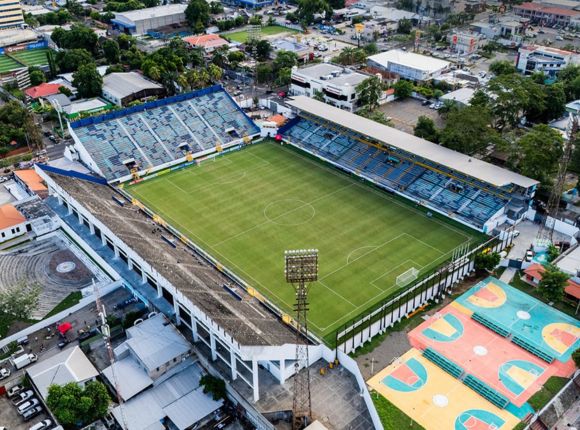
[[523, 315], [289, 212], [480, 350], [66, 267], [440, 400]]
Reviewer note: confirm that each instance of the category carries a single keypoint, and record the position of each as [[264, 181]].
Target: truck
[[24, 360]]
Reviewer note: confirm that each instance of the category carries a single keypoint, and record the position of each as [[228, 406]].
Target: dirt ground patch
[[405, 113]]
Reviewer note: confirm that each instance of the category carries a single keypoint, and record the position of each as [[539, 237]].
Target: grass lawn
[[249, 206], [7, 64], [549, 390], [270, 30], [70, 300], [392, 417], [33, 57]]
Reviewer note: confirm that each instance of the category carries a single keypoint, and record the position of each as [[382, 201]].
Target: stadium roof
[[246, 321], [151, 12], [411, 60], [454, 160], [122, 85]]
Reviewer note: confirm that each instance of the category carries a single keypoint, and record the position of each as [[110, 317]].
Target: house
[[42, 90], [290, 44], [31, 182], [12, 223], [70, 365], [462, 96], [336, 83], [536, 58], [408, 65], [207, 42], [123, 88], [533, 276]]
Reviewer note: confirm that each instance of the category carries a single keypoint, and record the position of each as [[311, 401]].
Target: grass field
[[270, 30], [247, 207], [34, 57], [7, 64]]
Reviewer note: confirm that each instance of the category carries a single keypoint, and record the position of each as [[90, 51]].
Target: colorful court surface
[[540, 325], [504, 366], [435, 399]]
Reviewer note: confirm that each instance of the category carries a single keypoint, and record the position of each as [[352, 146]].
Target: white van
[[44, 424]]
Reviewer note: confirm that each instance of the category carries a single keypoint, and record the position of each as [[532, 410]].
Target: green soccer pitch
[[247, 207]]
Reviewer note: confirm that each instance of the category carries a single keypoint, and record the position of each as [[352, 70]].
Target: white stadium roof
[[454, 160]]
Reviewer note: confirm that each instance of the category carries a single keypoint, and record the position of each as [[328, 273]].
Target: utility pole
[[301, 269]]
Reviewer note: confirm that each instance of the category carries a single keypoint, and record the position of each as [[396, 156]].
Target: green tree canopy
[[486, 261], [88, 81], [111, 51], [36, 76], [369, 92], [405, 26], [71, 404], [78, 37], [426, 129], [502, 67], [467, 130], [69, 60], [552, 284], [403, 89], [539, 152], [308, 8], [285, 60], [20, 300], [197, 11]]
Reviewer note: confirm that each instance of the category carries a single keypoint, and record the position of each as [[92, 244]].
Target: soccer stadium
[[382, 207]]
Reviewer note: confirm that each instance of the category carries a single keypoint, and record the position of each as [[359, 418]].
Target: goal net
[[407, 277]]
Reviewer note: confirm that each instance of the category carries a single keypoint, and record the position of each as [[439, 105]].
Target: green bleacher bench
[[492, 325], [443, 362], [486, 391], [537, 351]]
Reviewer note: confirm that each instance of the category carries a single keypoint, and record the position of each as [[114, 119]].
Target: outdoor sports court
[[435, 399], [546, 328], [247, 207], [501, 364]]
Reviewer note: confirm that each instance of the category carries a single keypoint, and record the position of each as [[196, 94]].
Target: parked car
[[529, 255], [12, 391], [31, 413], [23, 407], [4, 373], [43, 425], [22, 397]]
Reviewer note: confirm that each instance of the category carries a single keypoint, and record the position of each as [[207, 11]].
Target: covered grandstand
[[159, 134], [471, 191]]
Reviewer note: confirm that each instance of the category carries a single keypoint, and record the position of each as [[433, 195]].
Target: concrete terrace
[[247, 320]]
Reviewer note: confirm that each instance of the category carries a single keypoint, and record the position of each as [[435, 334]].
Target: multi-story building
[[10, 14], [337, 84], [535, 58], [547, 15], [408, 65], [466, 43]]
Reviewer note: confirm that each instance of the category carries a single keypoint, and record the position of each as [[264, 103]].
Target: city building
[[10, 14], [408, 65], [337, 84], [506, 26], [547, 15], [207, 42], [462, 96], [12, 223], [31, 182], [536, 58], [70, 365], [292, 45], [123, 88], [466, 42], [139, 22]]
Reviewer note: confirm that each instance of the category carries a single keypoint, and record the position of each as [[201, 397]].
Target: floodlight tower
[[301, 268], [546, 232]]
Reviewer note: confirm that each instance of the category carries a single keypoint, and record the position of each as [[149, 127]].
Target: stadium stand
[[161, 132], [320, 130]]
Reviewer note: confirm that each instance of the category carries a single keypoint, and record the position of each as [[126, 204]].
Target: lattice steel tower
[[301, 268], [546, 232]]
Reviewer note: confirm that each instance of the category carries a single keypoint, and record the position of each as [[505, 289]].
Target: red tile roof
[[547, 9], [206, 41], [42, 90], [9, 217], [536, 270], [31, 179], [573, 289]]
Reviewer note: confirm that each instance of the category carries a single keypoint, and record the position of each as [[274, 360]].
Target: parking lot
[[405, 113], [12, 420]]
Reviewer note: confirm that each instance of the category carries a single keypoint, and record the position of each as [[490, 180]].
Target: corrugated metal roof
[[191, 408], [454, 160]]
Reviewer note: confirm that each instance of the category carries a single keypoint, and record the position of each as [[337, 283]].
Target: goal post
[[407, 277]]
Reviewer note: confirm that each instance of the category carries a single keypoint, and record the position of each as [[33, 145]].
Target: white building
[[408, 65], [12, 223], [338, 84], [535, 58], [466, 43], [139, 22]]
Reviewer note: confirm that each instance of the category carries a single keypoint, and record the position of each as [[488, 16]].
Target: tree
[[539, 152], [215, 73], [264, 73], [319, 95], [73, 405], [20, 300], [508, 99], [214, 385], [552, 253], [78, 37], [374, 115], [285, 60], [486, 261], [371, 48], [426, 129], [263, 49], [125, 41], [308, 8], [215, 8], [403, 89], [369, 92], [69, 60], [111, 51], [150, 3], [197, 11], [552, 284], [502, 67], [467, 130], [405, 26], [569, 76], [576, 357], [36, 76], [88, 81]]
